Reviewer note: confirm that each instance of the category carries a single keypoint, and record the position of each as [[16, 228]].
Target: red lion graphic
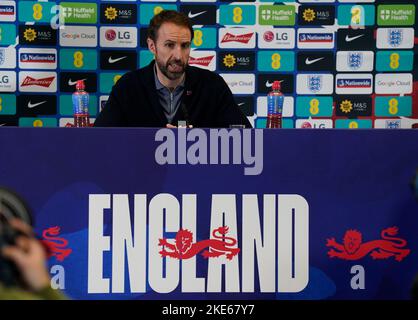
[[184, 248], [55, 244], [354, 249]]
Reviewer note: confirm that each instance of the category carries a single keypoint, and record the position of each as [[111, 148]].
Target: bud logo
[[184, 248], [203, 59], [244, 38], [236, 38], [43, 82], [37, 81], [353, 247], [273, 38], [56, 245]]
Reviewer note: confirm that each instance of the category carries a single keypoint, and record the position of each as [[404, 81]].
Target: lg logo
[[120, 35], [4, 80], [270, 36]]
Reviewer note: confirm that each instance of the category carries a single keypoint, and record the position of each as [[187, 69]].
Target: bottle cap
[[80, 85], [276, 85]]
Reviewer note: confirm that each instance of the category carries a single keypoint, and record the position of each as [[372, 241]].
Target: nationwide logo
[[6, 10], [346, 106], [202, 61], [43, 82], [184, 248], [354, 83], [38, 57], [353, 247], [57, 246], [316, 37], [242, 38]]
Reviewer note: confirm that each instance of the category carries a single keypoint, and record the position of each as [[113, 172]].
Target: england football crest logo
[[355, 60], [395, 37], [2, 56], [314, 83]]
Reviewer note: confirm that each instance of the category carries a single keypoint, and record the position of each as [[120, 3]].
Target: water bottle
[[275, 106], [81, 105]]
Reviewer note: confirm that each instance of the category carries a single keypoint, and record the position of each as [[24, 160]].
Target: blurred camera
[[11, 206]]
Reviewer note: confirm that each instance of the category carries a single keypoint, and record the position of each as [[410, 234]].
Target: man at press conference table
[[168, 91]]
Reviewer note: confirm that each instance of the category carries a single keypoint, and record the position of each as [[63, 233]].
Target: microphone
[[185, 113]]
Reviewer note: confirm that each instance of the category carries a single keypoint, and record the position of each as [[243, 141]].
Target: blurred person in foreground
[[168, 90], [29, 256]]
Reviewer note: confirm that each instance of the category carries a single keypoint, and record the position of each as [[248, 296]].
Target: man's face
[[171, 49]]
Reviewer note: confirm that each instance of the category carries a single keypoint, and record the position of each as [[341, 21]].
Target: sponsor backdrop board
[[360, 55], [333, 227]]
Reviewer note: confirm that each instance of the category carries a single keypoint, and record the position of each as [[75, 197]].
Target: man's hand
[[29, 256]]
